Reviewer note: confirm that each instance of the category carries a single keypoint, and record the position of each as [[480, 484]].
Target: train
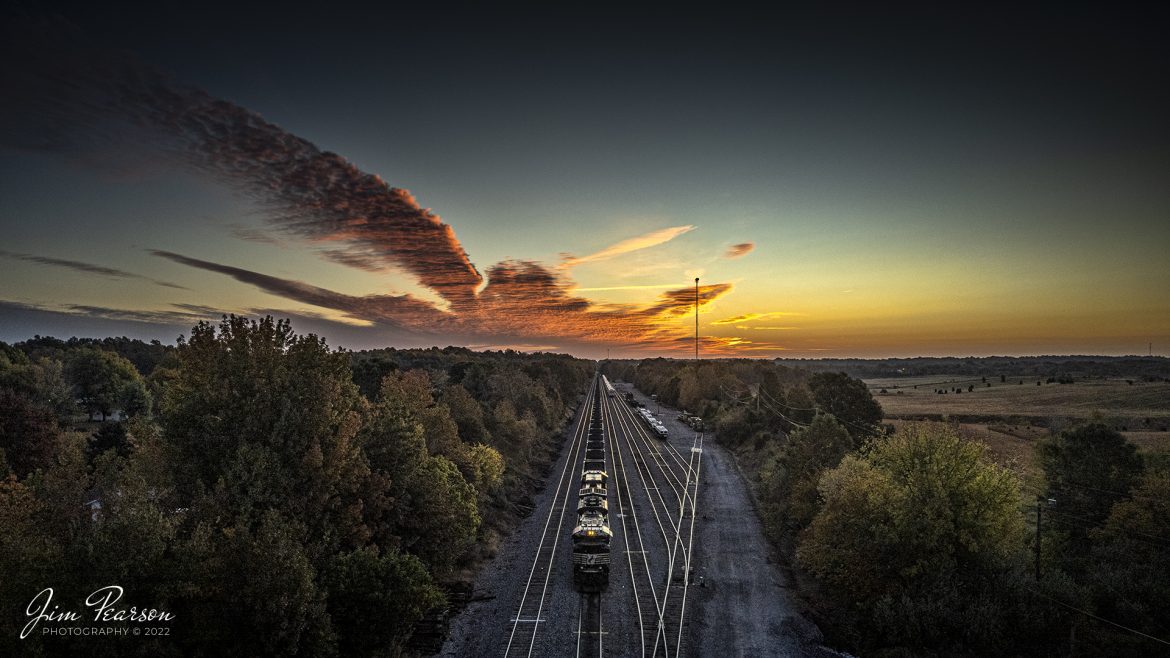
[[655, 425], [592, 534]]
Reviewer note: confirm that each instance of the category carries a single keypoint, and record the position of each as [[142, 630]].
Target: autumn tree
[[467, 414], [254, 392], [911, 533]]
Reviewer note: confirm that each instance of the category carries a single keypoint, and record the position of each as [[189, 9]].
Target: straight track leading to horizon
[[653, 492]]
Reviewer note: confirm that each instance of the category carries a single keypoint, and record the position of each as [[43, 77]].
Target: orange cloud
[[349, 216], [523, 302], [651, 239], [738, 250]]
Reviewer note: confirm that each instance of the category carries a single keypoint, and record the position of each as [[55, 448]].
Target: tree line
[[278, 497], [915, 542]]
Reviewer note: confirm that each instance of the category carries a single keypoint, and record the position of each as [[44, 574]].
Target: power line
[[1065, 521], [1107, 491], [1100, 618]]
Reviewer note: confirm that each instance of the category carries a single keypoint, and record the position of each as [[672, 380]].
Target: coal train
[[592, 535]]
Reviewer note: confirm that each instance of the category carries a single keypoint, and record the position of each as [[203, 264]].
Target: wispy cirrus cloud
[[251, 234], [85, 268], [651, 286], [748, 317], [636, 243], [739, 250]]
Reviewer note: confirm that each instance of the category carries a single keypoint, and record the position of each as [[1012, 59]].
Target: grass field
[[1011, 417], [1115, 401]]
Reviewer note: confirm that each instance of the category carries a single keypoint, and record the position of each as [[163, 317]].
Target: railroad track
[[660, 470], [527, 620], [637, 556], [590, 630]]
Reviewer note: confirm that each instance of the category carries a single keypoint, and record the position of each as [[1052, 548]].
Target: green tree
[[255, 390], [1085, 471], [374, 600], [912, 533], [849, 400], [482, 466], [791, 490], [102, 380], [1130, 574], [443, 517], [467, 414], [249, 589]]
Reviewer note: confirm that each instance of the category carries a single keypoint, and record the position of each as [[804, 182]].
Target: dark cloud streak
[[72, 94], [400, 311], [86, 268]]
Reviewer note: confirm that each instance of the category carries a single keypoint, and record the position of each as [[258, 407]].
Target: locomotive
[[592, 535]]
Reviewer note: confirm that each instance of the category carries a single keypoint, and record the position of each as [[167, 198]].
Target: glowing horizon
[[864, 215]]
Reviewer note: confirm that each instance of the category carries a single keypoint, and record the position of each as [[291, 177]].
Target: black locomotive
[[592, 535]]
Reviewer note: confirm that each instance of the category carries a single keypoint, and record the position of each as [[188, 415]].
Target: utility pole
[[696, 318], [1039, 500]]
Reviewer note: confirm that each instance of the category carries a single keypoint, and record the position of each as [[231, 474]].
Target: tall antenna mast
[[696, 318]]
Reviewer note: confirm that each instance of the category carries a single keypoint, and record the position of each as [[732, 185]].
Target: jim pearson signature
[[100, 602]]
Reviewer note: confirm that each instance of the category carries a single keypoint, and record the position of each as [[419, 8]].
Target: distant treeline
[[276, 496], [1155, 368], [915, 543]]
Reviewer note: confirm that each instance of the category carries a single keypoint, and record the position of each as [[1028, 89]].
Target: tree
[[29, 434], [443, 517], [249, 589], [42, 381], [912, 533], [1130, 573], [102, 380], [258, 383], [849, 400], [1086, 470], [29, 557], [482, 466], [368, 374], [134, 398], [791, 491], [374, 600], [467, 414]]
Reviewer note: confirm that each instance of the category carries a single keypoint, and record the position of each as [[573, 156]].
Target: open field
[[1011, 417], [1115, 401]]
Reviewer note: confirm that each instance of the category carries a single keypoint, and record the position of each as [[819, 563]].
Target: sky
[[848, 184]]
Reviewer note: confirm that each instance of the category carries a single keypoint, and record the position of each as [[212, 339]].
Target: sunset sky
[[844, 185]]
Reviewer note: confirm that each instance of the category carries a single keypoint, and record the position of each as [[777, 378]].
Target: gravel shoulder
[[740, 603], [484, 626]]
